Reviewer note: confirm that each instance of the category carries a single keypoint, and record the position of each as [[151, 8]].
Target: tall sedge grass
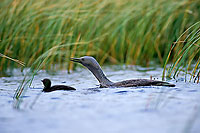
[[130, 32], [185, 54]]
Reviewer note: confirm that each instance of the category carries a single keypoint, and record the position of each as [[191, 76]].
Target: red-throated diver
[[95, 68], [49, 88]]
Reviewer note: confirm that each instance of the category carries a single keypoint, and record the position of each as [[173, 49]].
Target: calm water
[[93, 110]]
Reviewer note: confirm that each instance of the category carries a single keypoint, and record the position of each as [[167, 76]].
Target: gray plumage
[[95, 68]]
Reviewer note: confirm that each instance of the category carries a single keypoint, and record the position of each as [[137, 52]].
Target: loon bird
[[49, 88], [95, 68]]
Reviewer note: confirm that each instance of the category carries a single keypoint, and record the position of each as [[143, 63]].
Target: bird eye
[[83, 59]]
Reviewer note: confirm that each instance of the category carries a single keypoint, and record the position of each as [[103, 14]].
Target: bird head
[[87, 61], [46, 82]]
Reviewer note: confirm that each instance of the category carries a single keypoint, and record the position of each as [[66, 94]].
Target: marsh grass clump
[[185, 54], [130, 32]]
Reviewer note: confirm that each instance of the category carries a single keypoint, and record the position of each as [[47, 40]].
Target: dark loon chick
[[95, 68], [49, 88]]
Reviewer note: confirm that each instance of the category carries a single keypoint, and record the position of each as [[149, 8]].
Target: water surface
[[91, 109]]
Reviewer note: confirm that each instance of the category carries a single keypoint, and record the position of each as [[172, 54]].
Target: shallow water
[[91, 109]]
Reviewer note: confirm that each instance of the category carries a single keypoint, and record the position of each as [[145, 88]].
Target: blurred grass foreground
[[115, 31]]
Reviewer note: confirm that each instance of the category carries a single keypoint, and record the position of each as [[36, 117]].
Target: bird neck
[[101, 77]]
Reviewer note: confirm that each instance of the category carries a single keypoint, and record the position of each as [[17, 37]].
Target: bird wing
[[62, 87], [58, 87], [141, 82]]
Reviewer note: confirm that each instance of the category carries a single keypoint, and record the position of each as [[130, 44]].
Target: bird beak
[[75, 60]]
